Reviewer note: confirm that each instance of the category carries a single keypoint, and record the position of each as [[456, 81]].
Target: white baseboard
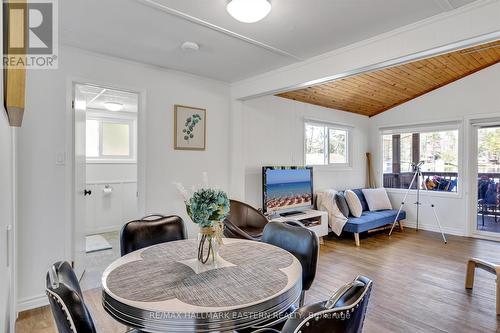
[[102, 230], [30, 303], [434, 227]]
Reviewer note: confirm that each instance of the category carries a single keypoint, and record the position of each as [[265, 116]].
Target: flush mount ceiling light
[[113, 106], [190, 46], [248, 11]]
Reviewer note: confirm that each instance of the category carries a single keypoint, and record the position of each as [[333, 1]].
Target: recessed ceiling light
[[190, 46], [248, 11], [113, 106]]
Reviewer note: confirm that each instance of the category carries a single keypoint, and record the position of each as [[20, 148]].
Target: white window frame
[[115, 118], [328, 126], [426, 128]]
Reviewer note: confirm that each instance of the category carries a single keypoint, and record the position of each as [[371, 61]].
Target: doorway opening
[[106, 175]]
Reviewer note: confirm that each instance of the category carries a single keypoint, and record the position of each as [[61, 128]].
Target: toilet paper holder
[[107, 189]]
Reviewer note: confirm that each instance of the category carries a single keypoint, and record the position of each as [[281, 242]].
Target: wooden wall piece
[[15, 35], [374, 92]]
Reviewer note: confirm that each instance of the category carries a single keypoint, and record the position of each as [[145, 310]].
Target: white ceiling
[[95, 97], [151, 31]]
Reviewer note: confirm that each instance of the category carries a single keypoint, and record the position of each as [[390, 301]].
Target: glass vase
[[208, 248]]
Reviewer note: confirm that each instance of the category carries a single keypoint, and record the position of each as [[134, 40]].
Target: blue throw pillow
[[362, 199], [342, 204]]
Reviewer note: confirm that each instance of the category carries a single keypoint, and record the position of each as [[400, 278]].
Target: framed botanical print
[[190, 125]]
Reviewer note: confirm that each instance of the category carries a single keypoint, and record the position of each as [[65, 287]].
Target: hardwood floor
[[418, 285]]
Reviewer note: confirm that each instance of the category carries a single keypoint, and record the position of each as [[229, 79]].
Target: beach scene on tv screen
[[288, 188]]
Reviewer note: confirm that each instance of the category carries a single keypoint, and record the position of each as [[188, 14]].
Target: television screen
[[287, 188]]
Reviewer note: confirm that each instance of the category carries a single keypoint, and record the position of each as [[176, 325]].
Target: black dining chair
[[66, 301], [344, 312], [303, 243], [151, 230]]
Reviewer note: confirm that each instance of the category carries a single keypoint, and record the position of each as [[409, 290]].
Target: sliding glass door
[[488, 179]]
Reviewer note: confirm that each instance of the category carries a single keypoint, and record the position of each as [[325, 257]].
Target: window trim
[[328, 126], [115, 118], [426, 128]]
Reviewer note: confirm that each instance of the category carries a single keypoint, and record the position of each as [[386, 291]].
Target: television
[[287, 190]]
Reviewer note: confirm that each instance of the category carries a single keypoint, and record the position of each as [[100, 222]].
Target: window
[[110, 138], [406, 152], [438, 149], [326, 144]]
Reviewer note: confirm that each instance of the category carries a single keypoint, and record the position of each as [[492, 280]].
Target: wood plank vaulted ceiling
[[374, 92]]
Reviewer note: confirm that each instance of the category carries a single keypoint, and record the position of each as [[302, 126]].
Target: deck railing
[[403, 180], [490, 175]]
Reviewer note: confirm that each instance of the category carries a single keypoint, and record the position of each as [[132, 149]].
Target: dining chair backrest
[[66, 300], [151, 230], [244, 222], [344, 312], [299, 241]]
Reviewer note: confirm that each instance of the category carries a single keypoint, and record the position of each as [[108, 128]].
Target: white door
[[81, 192]]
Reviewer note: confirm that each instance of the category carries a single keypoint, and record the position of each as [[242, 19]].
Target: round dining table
[[162, 288]]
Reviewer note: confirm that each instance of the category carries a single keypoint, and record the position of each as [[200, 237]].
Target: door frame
[[71, 82], [493, 118]]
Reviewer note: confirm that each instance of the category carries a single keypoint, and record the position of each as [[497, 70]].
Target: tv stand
[[315, 220], [293, 213]]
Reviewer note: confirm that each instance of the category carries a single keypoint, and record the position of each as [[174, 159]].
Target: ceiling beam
[[378, 91], [155, 5], [396, 62], [97, 96], [444, 4], [472, 24]]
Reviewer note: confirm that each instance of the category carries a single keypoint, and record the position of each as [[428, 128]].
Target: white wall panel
[[109, 211], [6, 221], [273, 134]]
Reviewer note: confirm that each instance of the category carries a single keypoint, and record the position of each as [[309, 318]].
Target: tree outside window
[[437, 149], [326, 144]]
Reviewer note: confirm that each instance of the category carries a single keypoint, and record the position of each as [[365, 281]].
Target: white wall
[[111, 172], [475, 96], [273, 134], [44, 218], [109, 211]]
